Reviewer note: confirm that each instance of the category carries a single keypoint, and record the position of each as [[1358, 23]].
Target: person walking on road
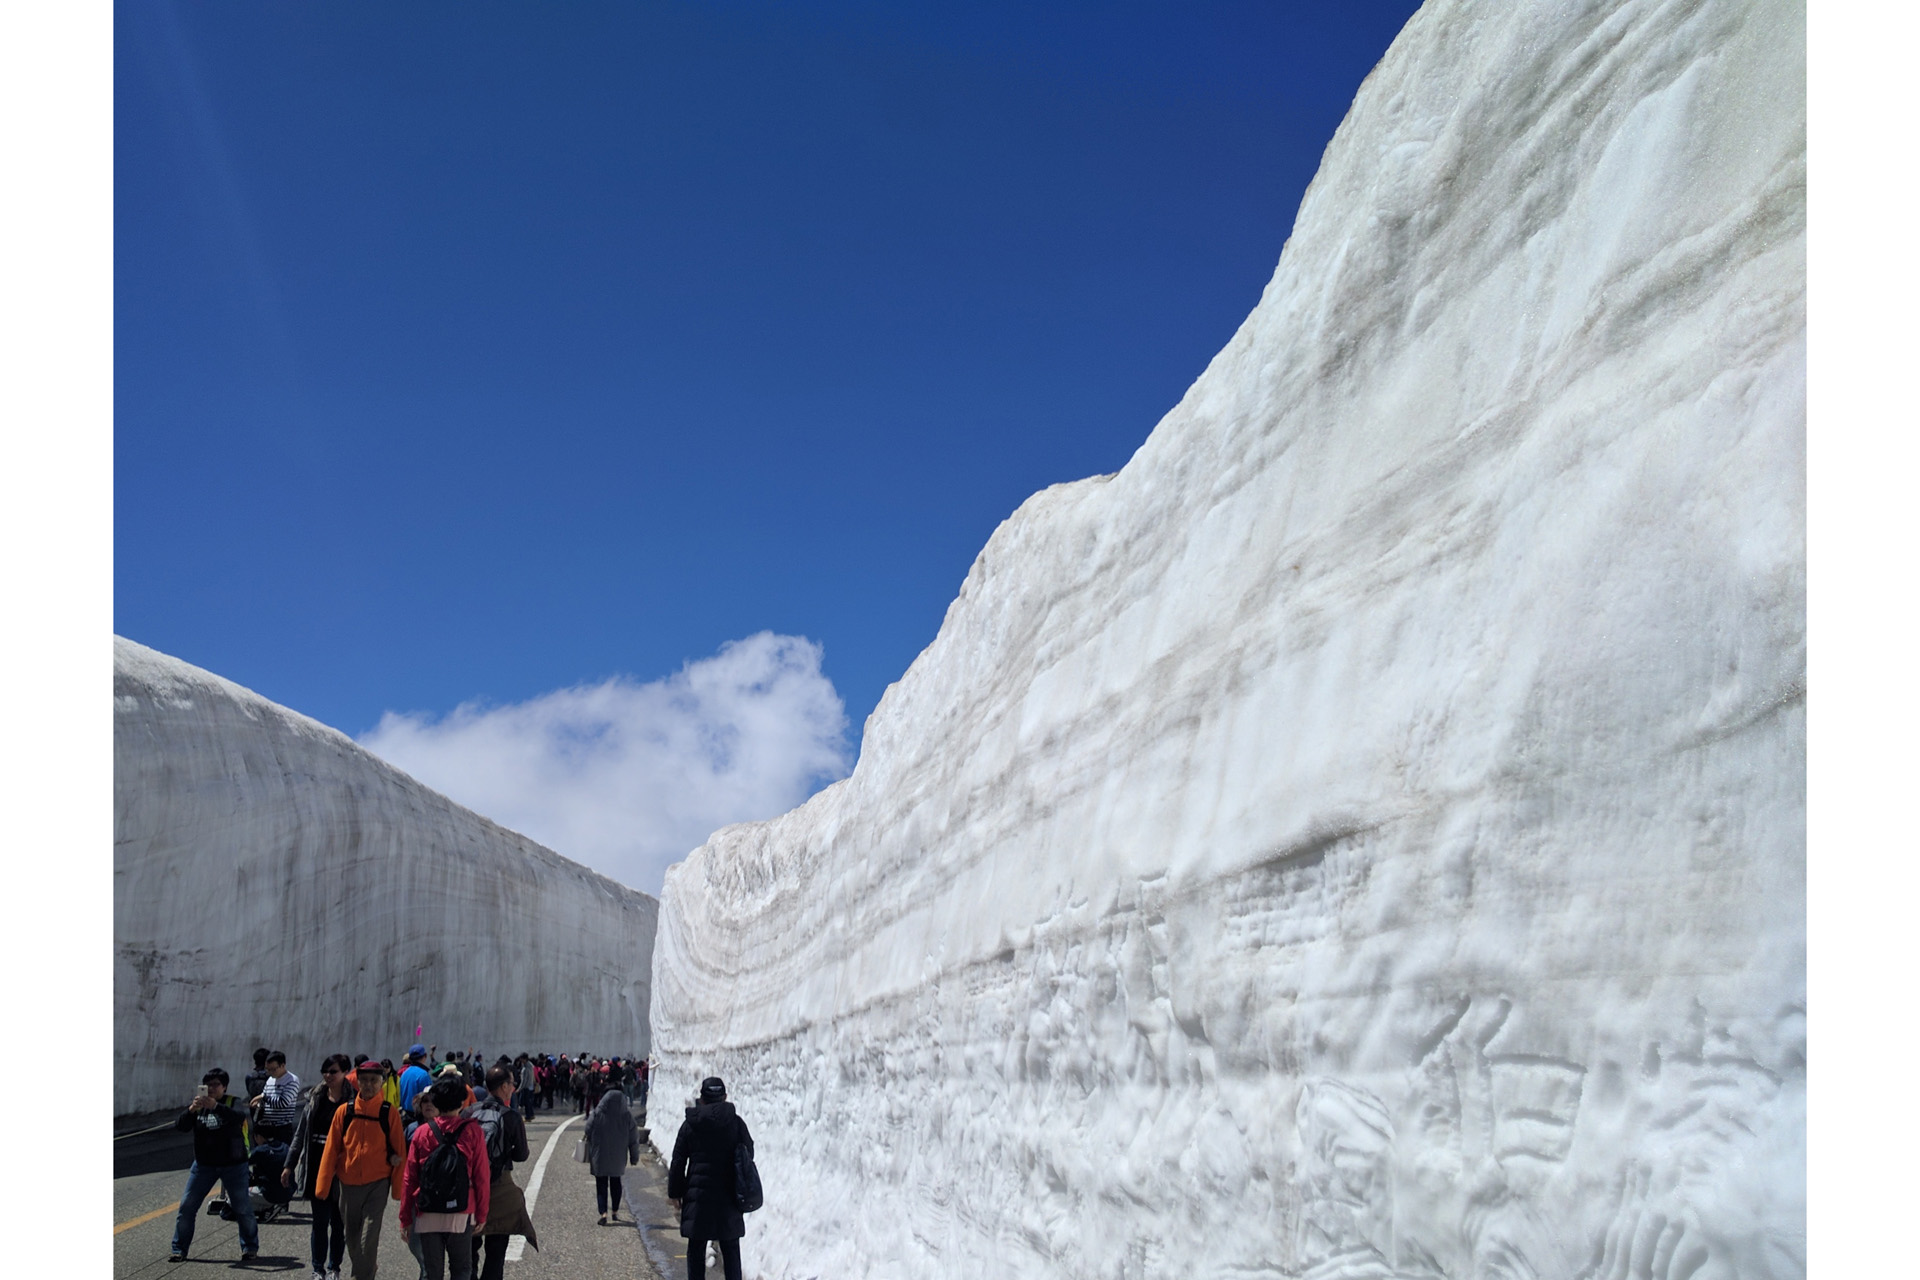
[[392, 1086], [439, 1211], [363, 1153], [613, 1142], [700, 1179], [423, 1111], [414, 1077], [451, 1072], [506, 1137], [328, 1242], [529, 1087], [596, 1085], [219, 1154], [579, 1077]]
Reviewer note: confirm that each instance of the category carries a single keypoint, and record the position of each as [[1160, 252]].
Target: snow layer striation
[[275, 884], [1364, 836]]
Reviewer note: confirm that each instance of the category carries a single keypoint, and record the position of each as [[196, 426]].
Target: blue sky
[[466, 353]]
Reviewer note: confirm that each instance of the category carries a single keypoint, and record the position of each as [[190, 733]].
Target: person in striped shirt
[[278, 1102]]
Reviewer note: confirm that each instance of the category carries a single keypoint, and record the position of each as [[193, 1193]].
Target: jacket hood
[[711, 1115]]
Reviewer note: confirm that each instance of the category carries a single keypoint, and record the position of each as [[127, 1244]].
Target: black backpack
[[443, 1178], [493, 1127], [354, 1113], [746, 1179]]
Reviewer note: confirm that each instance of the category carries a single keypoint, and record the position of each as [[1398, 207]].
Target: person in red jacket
[[446, 1236]]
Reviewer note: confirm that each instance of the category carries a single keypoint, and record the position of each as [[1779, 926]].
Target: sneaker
[[603, 1219], [248, 1255], [176, 1256], [333, 1273]]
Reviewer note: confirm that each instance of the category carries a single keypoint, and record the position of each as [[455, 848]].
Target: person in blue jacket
[[414, 1078]]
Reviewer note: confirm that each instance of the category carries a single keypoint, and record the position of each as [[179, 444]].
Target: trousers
[[328, 1240], [697, 1259], [606, 1193], [200, 1180], [493, 1257], [364, 1208], [446, 1255]]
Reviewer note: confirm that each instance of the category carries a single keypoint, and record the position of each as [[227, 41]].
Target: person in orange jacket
[[365, 1158]]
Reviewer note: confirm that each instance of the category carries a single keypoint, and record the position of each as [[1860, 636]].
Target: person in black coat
[[219, 1132], [328, 1240], [700, 1179]]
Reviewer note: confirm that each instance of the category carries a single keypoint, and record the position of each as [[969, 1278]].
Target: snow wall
[[1365, 836], [275, 884]]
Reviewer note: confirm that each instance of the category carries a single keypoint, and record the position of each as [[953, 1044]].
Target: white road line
[[517, 1245]]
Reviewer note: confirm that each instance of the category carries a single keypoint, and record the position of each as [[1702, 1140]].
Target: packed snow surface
[[275, 884], [1365, 836]]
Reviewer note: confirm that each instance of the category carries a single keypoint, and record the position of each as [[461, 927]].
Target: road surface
[[645, 1244]]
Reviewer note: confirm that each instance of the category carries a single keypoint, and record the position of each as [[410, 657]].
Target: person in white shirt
[[278, 1103]]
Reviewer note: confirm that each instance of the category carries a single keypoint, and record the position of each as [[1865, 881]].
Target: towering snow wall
[[1365, 835], [274, 884]]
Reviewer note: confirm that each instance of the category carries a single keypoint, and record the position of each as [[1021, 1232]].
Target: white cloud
[[630, 777]]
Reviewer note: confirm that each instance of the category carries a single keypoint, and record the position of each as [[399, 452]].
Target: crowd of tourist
[[441, 1135]]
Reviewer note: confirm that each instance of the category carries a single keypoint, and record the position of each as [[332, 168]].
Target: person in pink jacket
[[446, 1237]]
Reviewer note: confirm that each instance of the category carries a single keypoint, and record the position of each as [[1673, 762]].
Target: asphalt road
[[644, 1244]]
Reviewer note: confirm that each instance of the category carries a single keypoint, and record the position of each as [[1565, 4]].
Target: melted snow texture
[[1365, 836], [275, 884]]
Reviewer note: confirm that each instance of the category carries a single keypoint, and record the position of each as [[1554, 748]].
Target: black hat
[[712, 1089]]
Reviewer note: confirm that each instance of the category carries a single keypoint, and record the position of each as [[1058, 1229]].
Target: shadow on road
[[164, 1152]]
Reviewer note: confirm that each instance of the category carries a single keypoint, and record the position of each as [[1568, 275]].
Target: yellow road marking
[[145, 1217]]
